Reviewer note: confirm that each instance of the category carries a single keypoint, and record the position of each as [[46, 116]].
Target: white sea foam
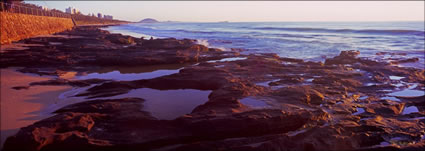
[[202, 42]]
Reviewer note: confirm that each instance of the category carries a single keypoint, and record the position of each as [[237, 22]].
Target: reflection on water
[[267, 83], [363, 97], [116, 75], [390, 98], [75, 91], [408, 93], [396, 77], [67, 75], [139, 69], [21, 108], [253, 102], [309, 80], [5, 134], [359, 111], [228, 59], [273, 87], [132, 73], [294, 133], [410, 109], [168, 104]]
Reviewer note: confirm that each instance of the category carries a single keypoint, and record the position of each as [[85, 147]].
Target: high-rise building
[[72, 10], [45, 8]]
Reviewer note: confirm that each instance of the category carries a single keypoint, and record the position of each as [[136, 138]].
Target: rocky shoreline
[[257, 101]]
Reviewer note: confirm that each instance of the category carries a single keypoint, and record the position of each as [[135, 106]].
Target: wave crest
[[366, 31], [202, 42]]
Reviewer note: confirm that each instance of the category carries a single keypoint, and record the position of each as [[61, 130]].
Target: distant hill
[[148, 20]]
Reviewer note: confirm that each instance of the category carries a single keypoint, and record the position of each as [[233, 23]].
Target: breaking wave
[[366, 31]]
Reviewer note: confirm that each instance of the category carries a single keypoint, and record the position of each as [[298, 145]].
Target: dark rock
[[21, 87], [345, 57], [405, 61], [303, 94], [324, 114], [385, 109]]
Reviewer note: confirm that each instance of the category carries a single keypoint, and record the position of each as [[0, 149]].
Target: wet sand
[[21, 108]]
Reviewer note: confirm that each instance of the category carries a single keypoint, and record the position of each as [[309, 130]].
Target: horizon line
[[281, 21]]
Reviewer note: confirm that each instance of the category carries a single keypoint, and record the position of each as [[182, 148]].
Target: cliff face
[[15, 27]]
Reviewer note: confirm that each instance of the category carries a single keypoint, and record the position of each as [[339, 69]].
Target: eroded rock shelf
[[242, 102]]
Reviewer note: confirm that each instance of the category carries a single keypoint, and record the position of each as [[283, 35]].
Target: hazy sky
[[207, 11]]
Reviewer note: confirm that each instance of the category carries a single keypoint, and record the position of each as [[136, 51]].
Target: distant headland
[[149, 20]]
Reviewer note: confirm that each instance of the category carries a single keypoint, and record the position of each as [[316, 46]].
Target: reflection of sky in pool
[[410, 109], [396, 77], [359, 111], [228, 59], [117, 75], [363, 97], [168, 104], [253, 102], [391, 98], [408, 93], [266, 84]]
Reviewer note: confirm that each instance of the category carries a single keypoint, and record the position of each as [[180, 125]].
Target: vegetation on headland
[[149, 20]]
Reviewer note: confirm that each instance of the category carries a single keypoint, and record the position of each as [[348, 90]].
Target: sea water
[[304, 40]]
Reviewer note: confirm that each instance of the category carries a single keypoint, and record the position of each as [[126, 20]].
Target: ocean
[[305, 40]]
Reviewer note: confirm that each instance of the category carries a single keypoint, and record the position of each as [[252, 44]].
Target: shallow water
[[371, 84], [266, 84], [384, 144], [55, 43], [74, 91], [117, 75], [407, 93], [398, 85], [396, 77], [309, 80], [390, 98], [138, 69], [416, 118], [131, 73], [363, 97], [412, 85], [359, 111], [410, 109], [228, 59], [294, 133], [253, 102], [168, 104], [21, 108]]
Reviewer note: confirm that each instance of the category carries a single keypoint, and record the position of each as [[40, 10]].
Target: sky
[[249, 11]]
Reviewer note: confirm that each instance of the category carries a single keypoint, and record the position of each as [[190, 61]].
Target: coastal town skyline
[[237, 11]]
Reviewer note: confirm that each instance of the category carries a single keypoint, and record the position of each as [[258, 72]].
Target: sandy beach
[[20, 108]]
